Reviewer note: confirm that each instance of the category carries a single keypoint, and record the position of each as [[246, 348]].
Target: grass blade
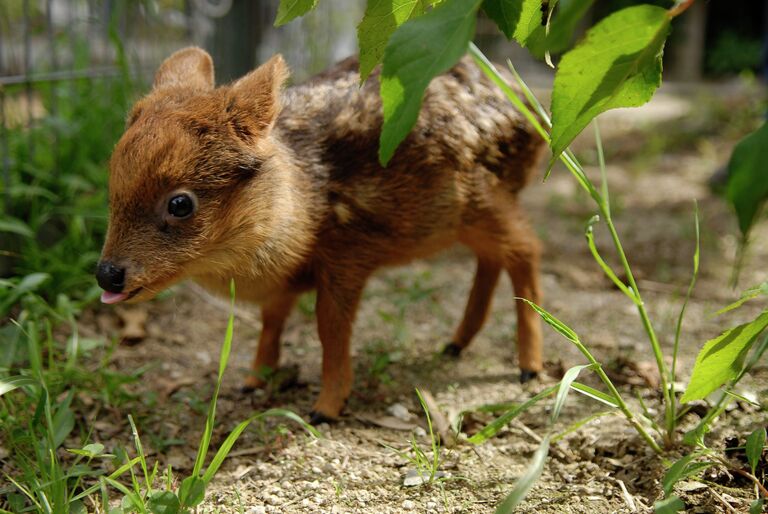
[[11, 383], [593, 393], [754, 448], [525, 482], [205, 440], [563, 389], [493, 428], [229, 442]]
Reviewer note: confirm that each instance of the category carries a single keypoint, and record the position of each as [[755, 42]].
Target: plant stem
[[623, 407], [577, 171]]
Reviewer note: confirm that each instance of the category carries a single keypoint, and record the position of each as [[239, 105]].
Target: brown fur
[[291, 196]]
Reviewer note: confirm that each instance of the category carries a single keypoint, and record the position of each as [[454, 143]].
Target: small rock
[[413, 478], [408, 505], [420, 432], [313, 485], [431, 505], [399, 411], [316, 470], [258, 509]]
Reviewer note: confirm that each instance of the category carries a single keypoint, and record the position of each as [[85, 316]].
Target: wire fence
[[46, 46]]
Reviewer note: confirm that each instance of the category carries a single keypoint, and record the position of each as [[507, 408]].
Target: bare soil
[[409, 314]]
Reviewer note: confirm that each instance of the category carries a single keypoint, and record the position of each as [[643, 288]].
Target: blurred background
[[69, 70]]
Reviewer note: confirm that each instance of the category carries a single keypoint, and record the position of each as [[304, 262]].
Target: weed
[[46, 485]]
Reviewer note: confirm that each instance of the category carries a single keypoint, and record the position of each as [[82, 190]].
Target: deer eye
[[181, 206]]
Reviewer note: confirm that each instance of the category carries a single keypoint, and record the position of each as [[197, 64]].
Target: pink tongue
[[107, 297]]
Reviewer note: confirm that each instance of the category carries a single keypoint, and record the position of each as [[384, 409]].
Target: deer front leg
[[337, 302], [273, 316]]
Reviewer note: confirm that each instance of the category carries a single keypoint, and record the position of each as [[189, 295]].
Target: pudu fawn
[[281, 189]]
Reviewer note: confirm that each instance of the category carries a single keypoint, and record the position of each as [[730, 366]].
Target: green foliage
[[380, 20], [419, 50], [747, 188], [668, 505], [527, 480], [539, 31], [721, 359], [733, 52], [290, 9], [754, 447], [618, 64]]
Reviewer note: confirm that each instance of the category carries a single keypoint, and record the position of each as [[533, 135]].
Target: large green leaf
[[747, 187], [721, 358], [561, 29], [418, 50], [517, 19], [290, 9], [525, 22], [380, 20], [618, 64]]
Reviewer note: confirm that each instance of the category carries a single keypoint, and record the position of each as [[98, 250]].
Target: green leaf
[[720, 359], [11, 383], [526, 481], [517, 19], [525, 22], [555, 323], [595, 394], [380, 20], [563, 389], [229, 442], [756, 507], [192, 491], [618, 64], [91, 451], [747, 187], [493, 427], [681, 469], [15, 226], [418, 50], [749, 294], [164, 502], [755, 444], [668, 505], [561, 30], [290, 9]]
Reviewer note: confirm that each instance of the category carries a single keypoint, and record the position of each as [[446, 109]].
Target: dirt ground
[[409, 314]]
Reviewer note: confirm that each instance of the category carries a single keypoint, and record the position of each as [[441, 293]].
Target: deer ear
[[254, 100], [190, 67]]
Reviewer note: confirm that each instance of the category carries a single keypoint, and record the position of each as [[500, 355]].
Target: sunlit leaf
[[380, 20], [419, 50], [290, 9], [618, 64], [721, 359]]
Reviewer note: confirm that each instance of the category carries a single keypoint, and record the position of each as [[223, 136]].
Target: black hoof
[[247, 389], [527, 375], [452, 350], [317, 418]]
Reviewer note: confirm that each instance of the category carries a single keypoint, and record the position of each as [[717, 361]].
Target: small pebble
[[408, 505], [258, 509]]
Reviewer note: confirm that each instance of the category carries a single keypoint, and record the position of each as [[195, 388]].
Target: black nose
[[110, 277]]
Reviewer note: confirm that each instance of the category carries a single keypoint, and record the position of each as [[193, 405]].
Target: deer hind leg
[[273, 316], [503, 235], [478, 305], [522, 265]]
